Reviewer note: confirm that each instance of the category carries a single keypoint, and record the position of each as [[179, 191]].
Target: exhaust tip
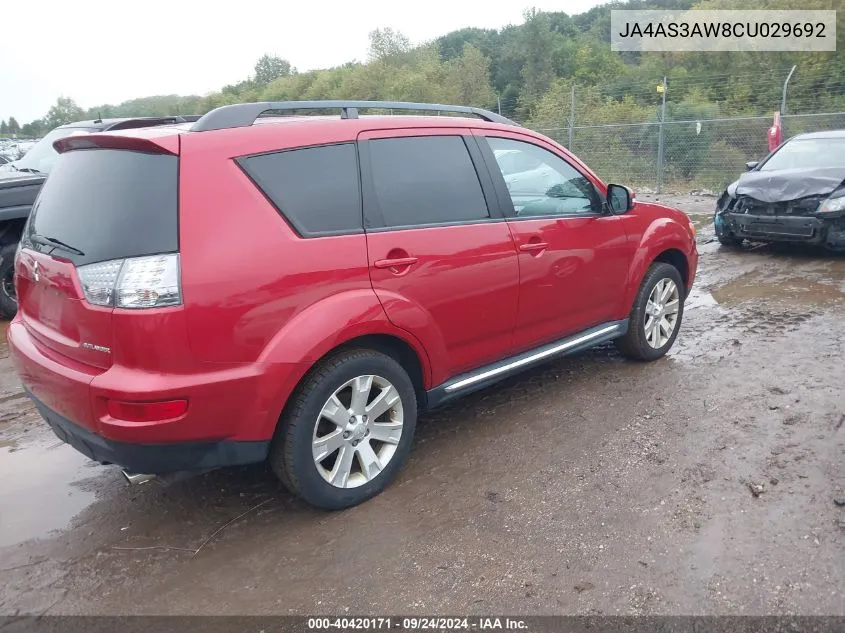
[[136, 479]]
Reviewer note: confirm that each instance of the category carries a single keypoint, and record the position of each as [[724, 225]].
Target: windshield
[[808, 154], [42, 156]]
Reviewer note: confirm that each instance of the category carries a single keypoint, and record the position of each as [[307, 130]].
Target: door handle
[[532, 247], [397, 262]]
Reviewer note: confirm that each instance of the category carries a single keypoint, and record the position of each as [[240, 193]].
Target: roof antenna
[[99, 117]]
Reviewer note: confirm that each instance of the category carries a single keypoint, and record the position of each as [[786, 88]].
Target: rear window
[[316, 188], [107, 204]]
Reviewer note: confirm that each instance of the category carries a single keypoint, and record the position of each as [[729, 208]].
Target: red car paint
[[261, 305]]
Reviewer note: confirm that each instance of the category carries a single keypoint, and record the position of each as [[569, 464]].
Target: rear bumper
[[778, 228], [154, 459], [231, 417]]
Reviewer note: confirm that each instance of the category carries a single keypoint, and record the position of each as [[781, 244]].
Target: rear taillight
[[137, 282]]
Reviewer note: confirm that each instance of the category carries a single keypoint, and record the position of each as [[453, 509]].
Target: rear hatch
[[86, 248]]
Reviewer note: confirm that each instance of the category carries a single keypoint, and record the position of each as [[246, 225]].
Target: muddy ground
[[703, 483]]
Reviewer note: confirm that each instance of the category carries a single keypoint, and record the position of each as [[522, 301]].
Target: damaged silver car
[[796, 194]]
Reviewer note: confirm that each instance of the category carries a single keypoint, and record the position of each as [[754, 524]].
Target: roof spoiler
[[102, 140], [245, 114]]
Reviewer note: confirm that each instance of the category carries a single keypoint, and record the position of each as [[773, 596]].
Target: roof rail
[[245, 114]]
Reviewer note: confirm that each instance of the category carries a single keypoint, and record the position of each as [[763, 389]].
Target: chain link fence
[[704, 155]]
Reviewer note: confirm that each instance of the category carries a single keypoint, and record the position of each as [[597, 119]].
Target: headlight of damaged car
[[832, 204]]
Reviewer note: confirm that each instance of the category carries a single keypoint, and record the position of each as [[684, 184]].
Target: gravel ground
[[703, 483]]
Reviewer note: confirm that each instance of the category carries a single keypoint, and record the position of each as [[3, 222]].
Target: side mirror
[[751, 165], [620, 199]]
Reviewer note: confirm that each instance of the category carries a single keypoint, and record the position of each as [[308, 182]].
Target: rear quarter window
[[316, 189]]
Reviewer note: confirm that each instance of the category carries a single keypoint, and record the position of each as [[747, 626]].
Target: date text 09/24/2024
[[416, 624]]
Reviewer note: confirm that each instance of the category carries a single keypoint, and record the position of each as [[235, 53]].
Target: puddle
[[793, 290], [36, 478]]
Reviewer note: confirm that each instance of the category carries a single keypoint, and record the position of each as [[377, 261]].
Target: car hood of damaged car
[[787, 184]]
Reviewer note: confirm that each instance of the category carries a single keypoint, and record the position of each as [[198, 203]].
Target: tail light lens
[[146, 411], [137, 282]]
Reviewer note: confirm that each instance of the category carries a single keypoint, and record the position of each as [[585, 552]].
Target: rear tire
[[647, 338], [334, 449], [8, 298]]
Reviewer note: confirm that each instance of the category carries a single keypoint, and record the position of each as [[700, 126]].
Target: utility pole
[[571, 118], [663, 89], [783, 103], [499, 104]]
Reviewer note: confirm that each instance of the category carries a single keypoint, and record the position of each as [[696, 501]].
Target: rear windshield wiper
[[29, 170], [55, 243]]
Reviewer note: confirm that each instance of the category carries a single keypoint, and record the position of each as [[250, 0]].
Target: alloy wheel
[[662, 313], [357, 431]]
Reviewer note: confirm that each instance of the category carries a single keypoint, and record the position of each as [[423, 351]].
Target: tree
[[4, 128], [387, 43], [14, 126], [33, 129], [469, 79], [64, 111], [538, 40], [270, 67]]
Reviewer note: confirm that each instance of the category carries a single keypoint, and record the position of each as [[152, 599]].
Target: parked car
[[15, 149], [297, 289], [795, 194], [23, 147], [20, 181]]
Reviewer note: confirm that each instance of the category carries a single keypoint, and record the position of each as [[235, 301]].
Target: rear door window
[[107, 204], [425, 180], [316, 188]]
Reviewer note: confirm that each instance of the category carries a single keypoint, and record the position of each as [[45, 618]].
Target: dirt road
[[700, 484]]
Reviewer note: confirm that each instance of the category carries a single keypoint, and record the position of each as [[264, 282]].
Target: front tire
[[8, 297], [725, 237], [347, 430], [655, 319], [729, 240]]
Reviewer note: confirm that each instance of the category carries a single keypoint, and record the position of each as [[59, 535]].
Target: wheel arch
[[397, 348], [676, 258], [665, 240]]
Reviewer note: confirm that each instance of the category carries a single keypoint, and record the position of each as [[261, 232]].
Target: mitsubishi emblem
[[35, 272]]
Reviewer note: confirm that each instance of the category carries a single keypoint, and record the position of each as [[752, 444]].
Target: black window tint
[[542, 183], [315, 188], [108, 204], [425, 180]]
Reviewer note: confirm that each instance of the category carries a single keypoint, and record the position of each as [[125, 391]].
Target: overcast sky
[[108, 52]]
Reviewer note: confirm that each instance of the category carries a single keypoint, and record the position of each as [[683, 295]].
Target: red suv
[[296, 288]]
